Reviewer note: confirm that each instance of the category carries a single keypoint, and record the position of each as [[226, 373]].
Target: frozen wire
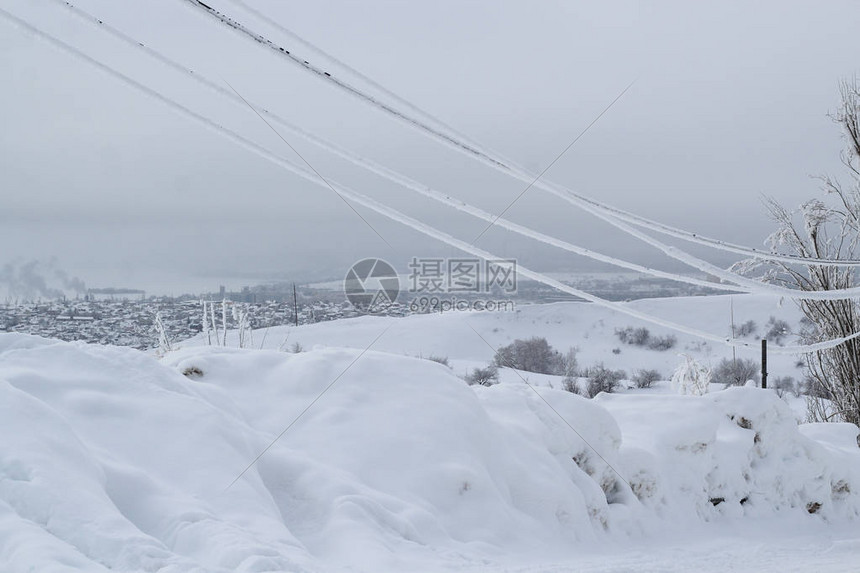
[[394, 214], [740, 283], [492, 159]]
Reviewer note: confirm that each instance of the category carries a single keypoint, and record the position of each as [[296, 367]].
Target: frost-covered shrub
[[645, 378], [443, 360], [532, 355], [662, 342], [483, 376], [736, 372], [746, 329], [602, 379], [634, 336], [777, 330], [642, 337], [691, 377], [569, 363], [784, 385]]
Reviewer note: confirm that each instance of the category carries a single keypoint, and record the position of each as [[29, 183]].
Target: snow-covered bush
[[532, 355], [634, 336], [642, 337], [777, 330], [483, 376], [662, 343], [785, 385], [746, 329], [569, 363], [736, 372], [691, 377], [602, 379], [645, 378], [443, 360]]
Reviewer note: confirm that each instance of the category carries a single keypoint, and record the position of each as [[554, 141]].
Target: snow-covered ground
[[376, 459]]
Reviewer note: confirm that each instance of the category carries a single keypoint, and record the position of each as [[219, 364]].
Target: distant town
[[127, 317]]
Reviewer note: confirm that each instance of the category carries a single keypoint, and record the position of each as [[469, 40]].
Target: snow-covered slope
[[114, 460], [468, 339]]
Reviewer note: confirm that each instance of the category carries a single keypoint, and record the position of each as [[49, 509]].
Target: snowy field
[[113, 460]]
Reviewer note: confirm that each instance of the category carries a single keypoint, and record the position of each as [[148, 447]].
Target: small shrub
[[736, 372], [531, 355], [784, 385], [569, 363], [777, 330], [746, 329], [569, 384], [662, 343], [645, 378], [642, 337], [443, 360], [634, 336], [616, 351], [601, 379], [483, 376]]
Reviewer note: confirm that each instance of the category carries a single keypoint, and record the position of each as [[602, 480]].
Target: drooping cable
[[389, 212], [611, 214], [740, 283]]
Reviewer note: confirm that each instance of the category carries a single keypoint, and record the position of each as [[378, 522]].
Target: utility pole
[[295, 305], [764, 363]]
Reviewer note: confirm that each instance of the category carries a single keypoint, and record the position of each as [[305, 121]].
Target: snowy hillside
[[112, 459], [469, 339]]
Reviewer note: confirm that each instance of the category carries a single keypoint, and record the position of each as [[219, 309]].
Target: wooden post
[[764, 363], [295, 305]]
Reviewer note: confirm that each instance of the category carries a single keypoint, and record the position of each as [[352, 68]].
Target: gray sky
[[730, 103]]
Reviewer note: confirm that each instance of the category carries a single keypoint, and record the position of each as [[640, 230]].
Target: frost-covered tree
[[207, 332], [691, 377], [830, 229], [242, 320], [161, 332]]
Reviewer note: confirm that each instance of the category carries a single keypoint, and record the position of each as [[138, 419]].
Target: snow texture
[[114, 460]]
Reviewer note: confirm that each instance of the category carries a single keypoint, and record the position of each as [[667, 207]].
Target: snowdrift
[[113, 460]]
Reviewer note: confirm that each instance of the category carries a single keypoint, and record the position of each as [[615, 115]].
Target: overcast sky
[[730, 103]]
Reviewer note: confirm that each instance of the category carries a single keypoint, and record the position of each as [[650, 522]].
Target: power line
[[394, 214], [606, 212], [739, 282]]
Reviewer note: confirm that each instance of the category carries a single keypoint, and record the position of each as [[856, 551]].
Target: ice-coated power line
[[383, 171], [389, 212], [611, 214], [739, 283], [343, 65]]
